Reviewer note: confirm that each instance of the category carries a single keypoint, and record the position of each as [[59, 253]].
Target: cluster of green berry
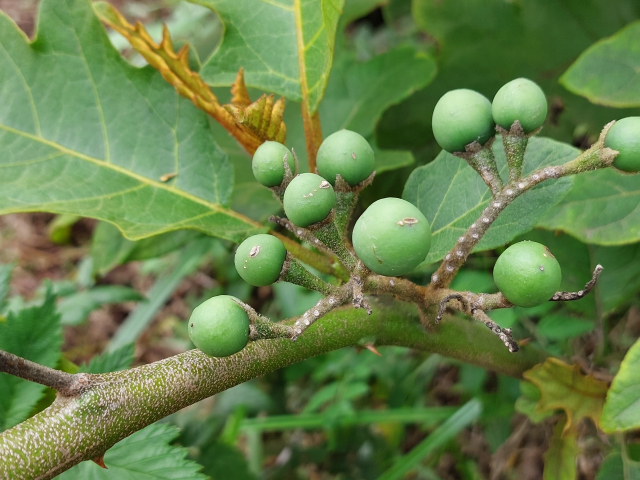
[[392, 236]]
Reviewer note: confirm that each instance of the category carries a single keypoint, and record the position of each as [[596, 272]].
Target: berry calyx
[[624, 136], [259, 259], [392, 237], [527, 274], [460, 118], [308, 199], [346, 153], [219, 326], [268, 164], [522, 100]]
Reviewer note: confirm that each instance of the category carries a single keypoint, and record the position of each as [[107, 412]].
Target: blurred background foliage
[[107, 302]]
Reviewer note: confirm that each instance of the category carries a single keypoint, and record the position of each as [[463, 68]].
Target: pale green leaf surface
[[35, 334], [622, 408], [619, 57], [451, 195], [603, 207], [359, 92], [285, 46], [145, 454], [119, 359], [83, 132]]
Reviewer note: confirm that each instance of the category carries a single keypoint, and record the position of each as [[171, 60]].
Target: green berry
[[219, 326], [308, 199], [259, 259], [268, 164], [522, 100], [392, 237], [460, 118], [527, 274], [624, 137], [346, 153]]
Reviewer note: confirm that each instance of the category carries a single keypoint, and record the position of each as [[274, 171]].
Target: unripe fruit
[[624, 136], [259, 259], [346, 153], [527, 274], [219, 326], [460, 118], [392, 237], [308, 199], [522, 100], [268, 164]]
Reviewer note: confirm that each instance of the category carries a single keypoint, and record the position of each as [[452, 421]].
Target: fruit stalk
[[293, 272], [515, 144], [482, 160]]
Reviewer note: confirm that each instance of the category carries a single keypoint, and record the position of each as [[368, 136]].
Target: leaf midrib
[[142, 179]]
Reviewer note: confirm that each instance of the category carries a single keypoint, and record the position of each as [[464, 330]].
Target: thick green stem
[[80, 428]]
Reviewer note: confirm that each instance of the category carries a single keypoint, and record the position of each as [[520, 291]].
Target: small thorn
[[372, 349], [99, 461]]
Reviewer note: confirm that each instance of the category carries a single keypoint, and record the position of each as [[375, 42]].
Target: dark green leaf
[[99, 146], [452, 195], [600, 208], [561, 327], [618, 57], [359, 92], [254, 201], [619, 282], [286, 48], [145, 454], [483, 45], [75, 308], [622, 408], [35, 334], [119, 359]]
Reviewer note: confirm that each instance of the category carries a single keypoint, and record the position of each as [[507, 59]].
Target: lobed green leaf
[[284, 46], [83, 132], [146, 453], [35, 334]]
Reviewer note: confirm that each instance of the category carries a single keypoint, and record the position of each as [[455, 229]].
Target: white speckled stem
[[116, 405], [596, 157]]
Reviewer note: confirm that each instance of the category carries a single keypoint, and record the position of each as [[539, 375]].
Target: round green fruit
[[259, 259], [268, 163], [346, 153], [624, 137], [527, 274], [308, 199], [460, 118], [219, 326], [522, 100], [392, 237]]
